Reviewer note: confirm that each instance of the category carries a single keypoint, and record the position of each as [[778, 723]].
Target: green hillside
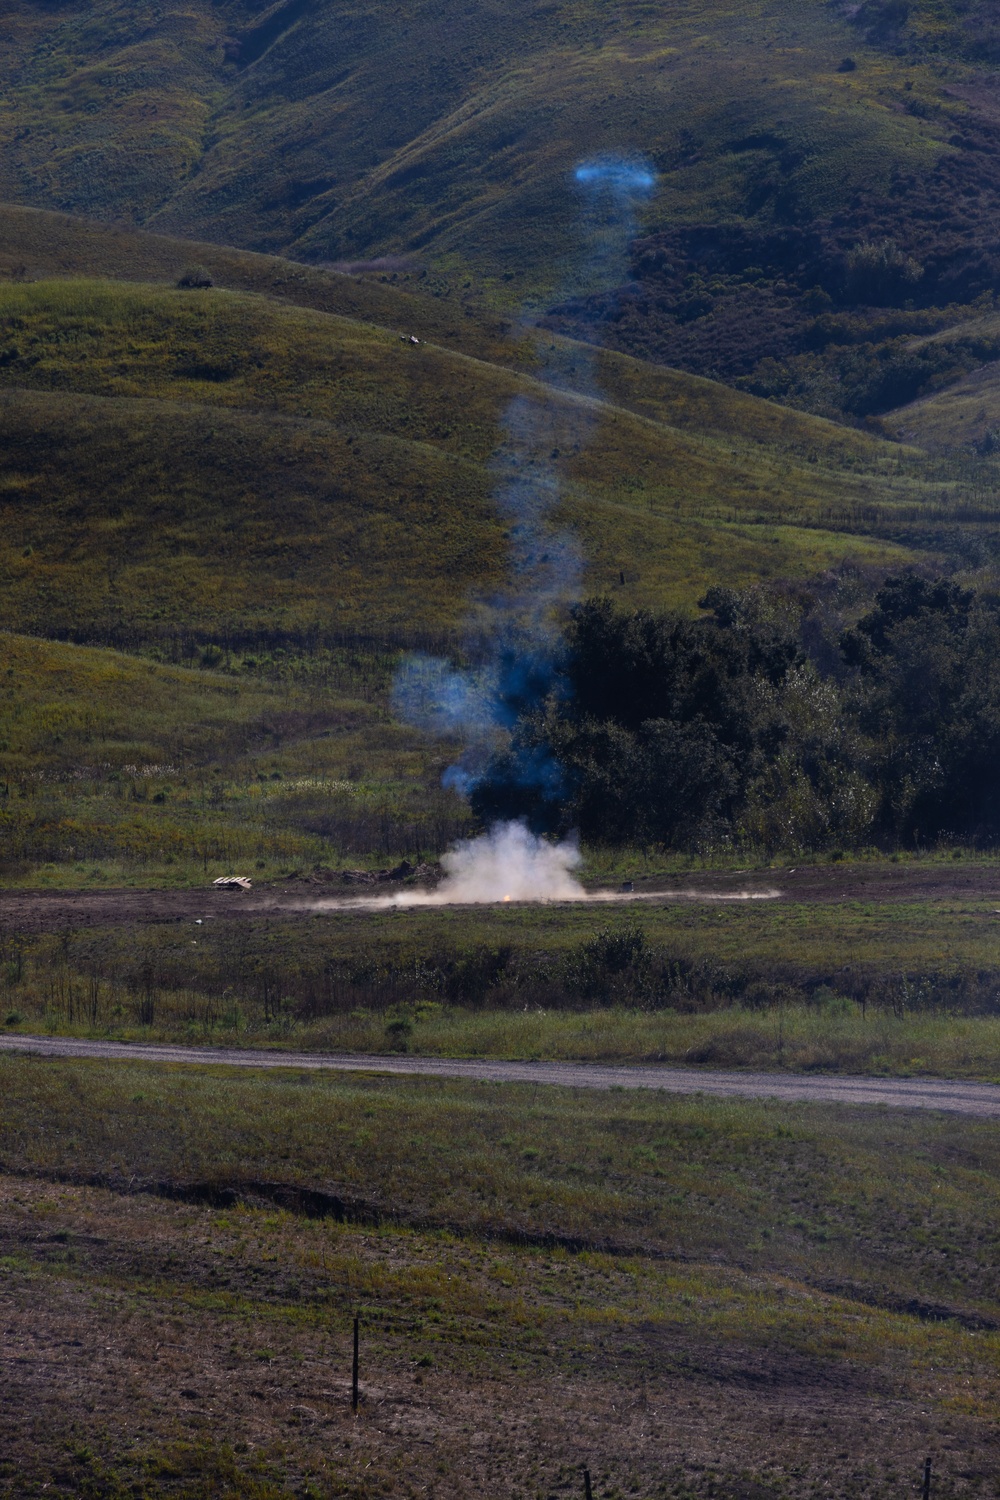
[[287, 497], [68, 705], [827, 173], [115, 768], [966, 414], [334, 337], [297, 464], [37, 243], [355, 131], [961, 413], [223, 465]]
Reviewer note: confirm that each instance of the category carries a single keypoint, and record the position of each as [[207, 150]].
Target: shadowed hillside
[[964, 412], [355, 132]]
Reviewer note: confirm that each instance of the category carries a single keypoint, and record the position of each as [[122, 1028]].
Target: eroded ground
[[157, 1348]]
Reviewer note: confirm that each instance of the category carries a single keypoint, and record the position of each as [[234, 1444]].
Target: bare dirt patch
[[46, 911], [153, 1348]]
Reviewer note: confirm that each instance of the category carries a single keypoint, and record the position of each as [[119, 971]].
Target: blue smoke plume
[[627, 178], [611, 189], [513, 636]]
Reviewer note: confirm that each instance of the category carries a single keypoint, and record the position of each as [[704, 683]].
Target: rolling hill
[[289, 468], [222, 465], [361, 130], [962, 413], [278, 498], [827, 173]]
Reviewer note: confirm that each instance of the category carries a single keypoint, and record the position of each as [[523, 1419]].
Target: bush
[[398, 1033], [195, 278], [698, 734], [878, 271], [613, 967]]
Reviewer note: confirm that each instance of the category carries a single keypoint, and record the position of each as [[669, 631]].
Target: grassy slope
[[155, 436], [961, 417], [349, 133], [803, 1190], [111, 766], [963, 414], [224, 465], [65, 706], [221, 465], [38, 243], [796, 1327]]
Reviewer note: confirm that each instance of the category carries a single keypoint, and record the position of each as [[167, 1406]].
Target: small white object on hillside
[[232, 883]]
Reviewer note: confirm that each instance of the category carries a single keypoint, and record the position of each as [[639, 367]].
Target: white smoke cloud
[[509, 863]]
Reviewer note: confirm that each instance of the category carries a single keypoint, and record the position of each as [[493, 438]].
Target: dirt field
[[152, 1348], [43, 911]]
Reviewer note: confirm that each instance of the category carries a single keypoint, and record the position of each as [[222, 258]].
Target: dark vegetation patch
[[248, 1192], [826, 319], [826, 314], [748, 1369], [965, 28], [754, 724]]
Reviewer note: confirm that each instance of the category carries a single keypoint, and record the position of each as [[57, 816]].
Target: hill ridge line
[[739, 446]]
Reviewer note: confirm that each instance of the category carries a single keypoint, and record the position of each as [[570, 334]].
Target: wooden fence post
[[354, 1366]]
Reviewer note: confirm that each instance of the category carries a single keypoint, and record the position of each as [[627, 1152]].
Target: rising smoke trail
[[513, 636]]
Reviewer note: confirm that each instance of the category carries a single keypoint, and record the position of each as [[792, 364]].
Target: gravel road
[[902, 1093]]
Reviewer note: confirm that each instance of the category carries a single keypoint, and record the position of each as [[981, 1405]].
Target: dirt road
[[915, 882], [901, 1093]]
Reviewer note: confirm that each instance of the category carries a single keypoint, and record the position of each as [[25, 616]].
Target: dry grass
[[166, 1350], [161, 434], [162, 1348], [831, 1037], [898, 977], [900, 1205]]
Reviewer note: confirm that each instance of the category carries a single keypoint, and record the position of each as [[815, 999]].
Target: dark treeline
[[765, 724]]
